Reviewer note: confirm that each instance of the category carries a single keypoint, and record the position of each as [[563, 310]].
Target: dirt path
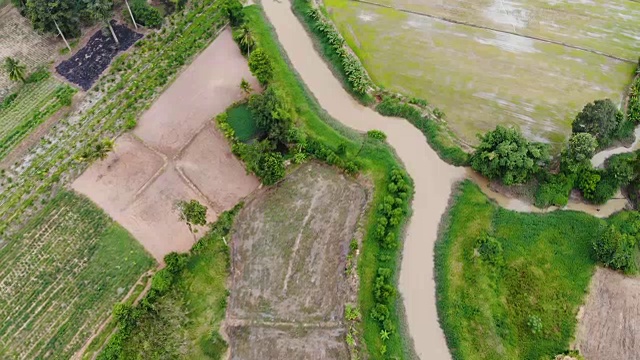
[[433, 178]]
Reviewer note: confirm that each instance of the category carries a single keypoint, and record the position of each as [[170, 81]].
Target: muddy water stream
[[433, 178]]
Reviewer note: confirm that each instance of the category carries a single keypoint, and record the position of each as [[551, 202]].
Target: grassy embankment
[[61, 275], [490, 309]]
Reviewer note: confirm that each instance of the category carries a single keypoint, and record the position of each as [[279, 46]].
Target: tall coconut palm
[[246, 38], [15, 70]]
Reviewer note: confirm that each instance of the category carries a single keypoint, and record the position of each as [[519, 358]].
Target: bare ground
[[610, 321], [176, 154], [288, 283]]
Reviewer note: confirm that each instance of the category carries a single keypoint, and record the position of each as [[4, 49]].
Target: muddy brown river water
[[433, 178]]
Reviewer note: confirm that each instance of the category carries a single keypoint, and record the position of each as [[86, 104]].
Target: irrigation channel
[[433, 178]]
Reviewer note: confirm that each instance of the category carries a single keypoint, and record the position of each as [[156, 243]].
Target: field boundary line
[[258, 323], [464, 23]]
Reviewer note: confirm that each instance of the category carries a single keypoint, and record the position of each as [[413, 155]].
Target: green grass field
[[485, 309], [480, 77], [242, 122], [34, 104], [60, 277]]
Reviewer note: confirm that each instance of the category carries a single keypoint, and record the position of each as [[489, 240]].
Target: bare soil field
[[289, 250], [610, 320], [176, 155], [288, 343], [20, 41]]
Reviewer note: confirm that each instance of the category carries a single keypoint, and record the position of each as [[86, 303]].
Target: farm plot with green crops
[[60, 277], [480, 77], [34, 103]]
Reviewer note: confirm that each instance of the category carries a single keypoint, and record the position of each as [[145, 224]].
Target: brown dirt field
[[289, 250], [202, 161], [610, 321], [138, 185], [288, 343], [206, 88]]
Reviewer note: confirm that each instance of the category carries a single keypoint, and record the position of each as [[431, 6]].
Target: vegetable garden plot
[[60, 277], [85, 67]]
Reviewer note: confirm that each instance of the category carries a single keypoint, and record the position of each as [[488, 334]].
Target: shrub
[[233, 10], [616, 250], [605, 189], [146, 14], [490, 250], [506, 155], [588, 179], [535, 324], [621, 167], [601, 119], [37, 76], [8, 101], [377, 135], [260, 66], [271, 168], [554, 190], [214, 346], [161, 281]]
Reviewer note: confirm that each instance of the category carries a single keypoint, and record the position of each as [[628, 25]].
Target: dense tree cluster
[[601, 118], [506, 155]]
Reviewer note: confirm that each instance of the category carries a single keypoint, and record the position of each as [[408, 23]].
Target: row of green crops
[[329, 141], [60, 276], [35, 103], [132, 84], [348, 68]]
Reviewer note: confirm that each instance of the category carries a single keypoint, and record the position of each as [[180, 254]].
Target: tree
[[271, 168], [245, 87], [133, 19], [260, 66], [274, 113], [505, 154], [601, 119], [622, 167], [588, 179], [102, 11], [15, 69], [579, 151], [233, 9], [55, 16], [616, 250], [193, 213], [244, 37]]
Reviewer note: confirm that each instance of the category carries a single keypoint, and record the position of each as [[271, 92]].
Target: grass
[[33, 104], [61, 275], [538, 87], [376, 160], [242, 122], [182, 321], [485, 309]]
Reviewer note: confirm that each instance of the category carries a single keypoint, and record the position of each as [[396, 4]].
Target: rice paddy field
[[61, 276], [533, 64]]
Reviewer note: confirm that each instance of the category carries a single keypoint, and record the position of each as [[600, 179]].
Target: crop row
[[60, 276], [134, 81], [34, 104]]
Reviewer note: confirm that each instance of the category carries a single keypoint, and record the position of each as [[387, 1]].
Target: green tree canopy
[[193, 213], [601, 119], [55, 16], [579, 151], [622, 167], [260, 66], [273, 112], [505, 154], [616, 250]]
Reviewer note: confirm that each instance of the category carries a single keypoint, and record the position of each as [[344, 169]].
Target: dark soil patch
[[85, 67]]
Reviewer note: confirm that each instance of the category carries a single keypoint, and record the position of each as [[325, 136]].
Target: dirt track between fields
[[288, 281], [176, 153]]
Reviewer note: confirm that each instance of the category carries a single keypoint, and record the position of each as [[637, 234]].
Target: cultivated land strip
[[458, 22]]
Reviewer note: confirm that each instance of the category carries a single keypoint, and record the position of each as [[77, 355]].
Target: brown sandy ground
[[610, 320], [176, 154], [288, 283]]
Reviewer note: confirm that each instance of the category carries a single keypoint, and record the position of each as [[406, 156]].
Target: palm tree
[[246, 87], [102, 149], [246, 38], [15, 70]]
